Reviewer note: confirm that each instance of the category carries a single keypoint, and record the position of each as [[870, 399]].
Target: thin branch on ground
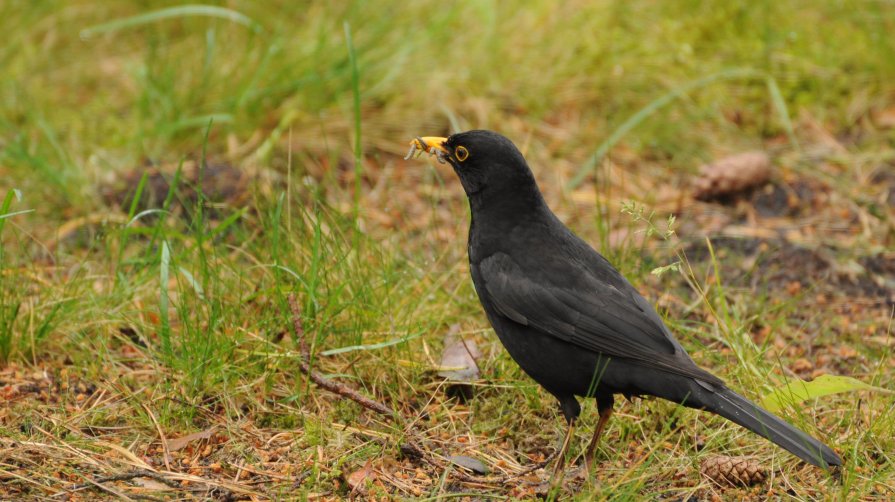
[[411, 447], [326, 383], [128, 476]]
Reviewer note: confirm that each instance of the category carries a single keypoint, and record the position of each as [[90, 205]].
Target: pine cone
[[732, 174], [733, 471]]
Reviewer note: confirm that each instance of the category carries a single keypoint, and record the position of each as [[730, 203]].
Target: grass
[[143, 290]]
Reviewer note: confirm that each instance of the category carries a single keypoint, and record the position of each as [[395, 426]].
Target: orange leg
[[561, 457], [592, 448]]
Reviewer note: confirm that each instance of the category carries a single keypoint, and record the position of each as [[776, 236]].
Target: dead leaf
[[358, 479], [470, 463], [886, 341], [151, 484], [458, 364], [885, 119], [181, 442]]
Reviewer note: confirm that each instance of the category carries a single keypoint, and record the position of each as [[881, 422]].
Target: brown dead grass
[[82, 443]]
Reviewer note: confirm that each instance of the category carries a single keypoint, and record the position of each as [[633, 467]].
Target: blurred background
[[170, 172]]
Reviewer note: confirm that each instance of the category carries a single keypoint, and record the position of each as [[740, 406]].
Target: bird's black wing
[[591, 313]]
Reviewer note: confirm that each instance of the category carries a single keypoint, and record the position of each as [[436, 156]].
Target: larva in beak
[[429, 144]]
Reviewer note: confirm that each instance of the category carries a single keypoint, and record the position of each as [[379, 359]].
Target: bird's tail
[[737, 408]]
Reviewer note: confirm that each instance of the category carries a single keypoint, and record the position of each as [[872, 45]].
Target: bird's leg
[[561, 457], [605, 413]]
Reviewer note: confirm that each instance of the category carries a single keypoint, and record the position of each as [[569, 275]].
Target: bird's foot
[[588, 465], [584, 472], [558, 474], [569, 480]]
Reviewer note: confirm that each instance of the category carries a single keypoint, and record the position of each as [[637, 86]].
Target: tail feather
[[740, 410]]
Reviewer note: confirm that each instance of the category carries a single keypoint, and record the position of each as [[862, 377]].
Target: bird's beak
[[427, 143], [433, 145]]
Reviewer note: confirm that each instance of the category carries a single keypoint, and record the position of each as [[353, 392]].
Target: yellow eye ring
[[461, 153]]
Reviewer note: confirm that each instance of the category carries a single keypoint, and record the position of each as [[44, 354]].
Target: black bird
[[567, 316]]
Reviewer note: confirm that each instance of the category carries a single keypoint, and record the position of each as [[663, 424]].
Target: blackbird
[[567, 316]]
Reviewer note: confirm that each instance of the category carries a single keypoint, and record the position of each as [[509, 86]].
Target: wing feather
[[591, 313]]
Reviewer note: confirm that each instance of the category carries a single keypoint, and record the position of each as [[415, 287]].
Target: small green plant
[[638, 214], [10, 291]]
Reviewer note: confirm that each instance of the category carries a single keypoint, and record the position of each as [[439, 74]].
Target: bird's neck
[[495, 206]]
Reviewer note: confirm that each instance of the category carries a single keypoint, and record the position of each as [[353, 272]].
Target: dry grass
[[144, 330]]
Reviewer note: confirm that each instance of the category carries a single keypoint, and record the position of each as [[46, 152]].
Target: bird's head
[[488, 164]]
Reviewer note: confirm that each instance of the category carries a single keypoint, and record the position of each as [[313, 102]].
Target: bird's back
[[547, 278]]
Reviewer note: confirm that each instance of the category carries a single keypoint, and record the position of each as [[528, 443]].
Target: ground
[[170, 175]]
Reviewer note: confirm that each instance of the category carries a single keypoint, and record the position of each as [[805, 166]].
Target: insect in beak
[[428, 144]]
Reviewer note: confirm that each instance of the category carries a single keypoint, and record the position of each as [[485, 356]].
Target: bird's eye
[[461, 153]]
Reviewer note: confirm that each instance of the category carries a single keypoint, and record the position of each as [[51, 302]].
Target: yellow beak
[[427, 143]]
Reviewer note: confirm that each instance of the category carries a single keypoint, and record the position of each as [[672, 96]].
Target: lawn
[[172, 174]]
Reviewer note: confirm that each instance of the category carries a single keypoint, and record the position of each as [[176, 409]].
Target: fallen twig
[[322, 381], [171, 479], [109, 489], [161, 435], [410, 447], [128, 476]]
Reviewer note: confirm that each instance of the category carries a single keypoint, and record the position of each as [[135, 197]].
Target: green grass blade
[[358, 148], [783, 111], [651, 108], [797, 391], [138, 194], [7, 202], [164, 300], [145, 213], [15, 213], [371, 346], [191, 10], [227, 222], [192, 282], [6, 214]]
